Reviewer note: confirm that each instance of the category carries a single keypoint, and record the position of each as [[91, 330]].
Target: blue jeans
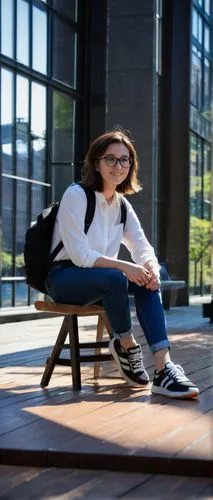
[[76, 285]]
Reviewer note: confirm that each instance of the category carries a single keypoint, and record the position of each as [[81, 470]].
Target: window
[[38, 106], [7, 27], [7, 99], [68, 9], [196, 78], [22, 46], [197, 25], [38, 132], [201, 151], [39, 40], [22, 126], [207, 7], [64, 52], [201, 64]]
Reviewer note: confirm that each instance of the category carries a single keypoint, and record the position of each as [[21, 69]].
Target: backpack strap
[[123, 211], [90, 211]]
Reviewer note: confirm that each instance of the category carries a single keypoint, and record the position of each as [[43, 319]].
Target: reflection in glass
[[21, 293], [63, 128], [200, 29], [195, 176], [207, 38], [197, 24], [196, 78], [7, 27], [207, 7], [200, 216], [194, 22], [6, 120], [62, 176], [67, 8], [207, 84], [38, 200], [21, 223], [34, 295], [64, 52], [7, 225], [23, 32], [6, 294], [39, 40], [38, 131], [207, 181], [22, 125]]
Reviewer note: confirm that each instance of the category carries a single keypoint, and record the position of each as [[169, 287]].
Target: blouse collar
[[102, 200]]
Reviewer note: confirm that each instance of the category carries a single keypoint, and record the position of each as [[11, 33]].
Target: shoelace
[[136, 361], [177, 373]]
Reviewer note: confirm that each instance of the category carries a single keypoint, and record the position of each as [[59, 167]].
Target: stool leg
[[55, 353], [99, 337], [74, 351], [108, 326]]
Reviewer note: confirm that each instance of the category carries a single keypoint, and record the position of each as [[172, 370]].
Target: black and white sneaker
[[130, 363], [173, 383]]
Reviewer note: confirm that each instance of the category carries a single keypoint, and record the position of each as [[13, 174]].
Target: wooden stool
[[70, 327]]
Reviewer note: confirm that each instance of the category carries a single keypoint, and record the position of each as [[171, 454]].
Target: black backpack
[[38, 240]]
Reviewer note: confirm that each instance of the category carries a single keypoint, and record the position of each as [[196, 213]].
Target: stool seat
[[54, 307], [70, 327]]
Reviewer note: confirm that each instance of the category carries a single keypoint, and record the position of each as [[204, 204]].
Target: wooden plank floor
[[37, 483], [107, 425]]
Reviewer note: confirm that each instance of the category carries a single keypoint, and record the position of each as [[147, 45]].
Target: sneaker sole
[[191, 393], [124, 376]]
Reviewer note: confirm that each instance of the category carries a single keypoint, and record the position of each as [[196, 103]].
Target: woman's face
[[114, 173]]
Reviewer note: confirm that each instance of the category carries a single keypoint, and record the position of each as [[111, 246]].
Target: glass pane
[[207, 85], [194, 22], [207, 7], [21, 223], [207, 181], [62, 176], [39, 40], [64, 50], [23, 32], [21, 295], [67, 8], [195, 176], [200, 29], [207, 38], [35, 295], [6, 294], [63, 128], [38, 200], [8, 214], [38, 132], [22, 126], [6, 120], [196, 84], [7, 27]]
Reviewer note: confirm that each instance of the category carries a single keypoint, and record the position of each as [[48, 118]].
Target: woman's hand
[[153, 269], [138, 274]]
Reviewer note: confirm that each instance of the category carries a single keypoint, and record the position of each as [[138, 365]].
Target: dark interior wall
[[96, 54], [130, 88], [173, 207]]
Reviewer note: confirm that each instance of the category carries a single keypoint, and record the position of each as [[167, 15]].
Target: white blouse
[[105, 234]]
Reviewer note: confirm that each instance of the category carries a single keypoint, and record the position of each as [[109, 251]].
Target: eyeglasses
[[111, 161]]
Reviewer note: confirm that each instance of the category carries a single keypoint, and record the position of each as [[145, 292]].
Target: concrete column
[[131, 89]]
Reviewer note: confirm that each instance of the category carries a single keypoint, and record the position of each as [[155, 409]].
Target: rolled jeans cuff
[[162, 344], [123, 335]]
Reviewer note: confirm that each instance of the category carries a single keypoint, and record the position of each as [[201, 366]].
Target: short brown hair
[[92, 178]]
